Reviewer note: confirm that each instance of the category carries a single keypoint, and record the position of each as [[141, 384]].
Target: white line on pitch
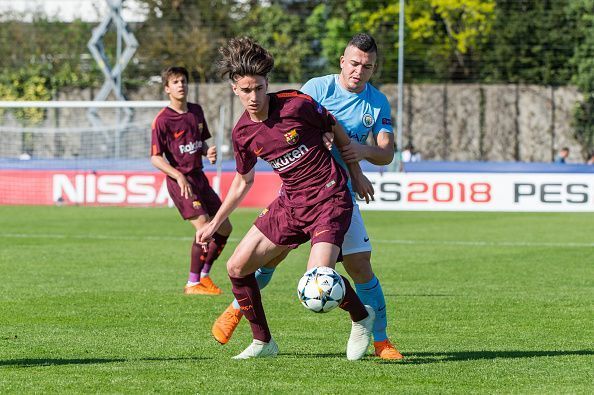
[[486, 243], [379, 241]]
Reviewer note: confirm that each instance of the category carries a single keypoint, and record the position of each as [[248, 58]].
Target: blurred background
[[485, 80]]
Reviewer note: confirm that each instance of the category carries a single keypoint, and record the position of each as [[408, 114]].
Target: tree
[[442, 36], [532, 42], [282, 34], [44, 50], [185, 33], [582, 11]]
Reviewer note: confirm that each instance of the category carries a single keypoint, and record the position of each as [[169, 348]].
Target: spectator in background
[[562, 155], [410, 154], [590, 160]]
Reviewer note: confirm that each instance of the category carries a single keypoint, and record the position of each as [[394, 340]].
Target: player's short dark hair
[[364, 42], [169, 72], [243, 56]]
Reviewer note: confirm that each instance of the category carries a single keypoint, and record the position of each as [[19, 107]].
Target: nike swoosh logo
[[320, 232], [257, 151], [241, 300], [365, 239], [177, 134]]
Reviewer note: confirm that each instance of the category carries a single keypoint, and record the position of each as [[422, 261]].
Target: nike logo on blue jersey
[[365, 239]]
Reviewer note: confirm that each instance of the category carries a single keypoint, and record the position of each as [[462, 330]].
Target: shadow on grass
[[28, 363], [437, 357], [411, 358]]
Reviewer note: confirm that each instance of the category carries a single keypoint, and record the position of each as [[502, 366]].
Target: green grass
[[91, 301]]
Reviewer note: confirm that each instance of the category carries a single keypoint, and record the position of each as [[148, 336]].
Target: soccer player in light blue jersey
[[362, 110]]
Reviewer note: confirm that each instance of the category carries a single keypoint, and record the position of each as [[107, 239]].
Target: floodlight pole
[[400, 85]]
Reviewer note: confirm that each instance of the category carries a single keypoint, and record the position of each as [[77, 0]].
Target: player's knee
[[234, 270], [358, 267], [234, 264]]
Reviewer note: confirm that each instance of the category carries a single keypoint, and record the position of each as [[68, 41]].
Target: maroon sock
[[352, 303], [215, 247], [196, 261], [247, 293]]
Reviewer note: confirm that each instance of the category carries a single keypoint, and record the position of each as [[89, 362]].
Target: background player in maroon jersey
[[178, 142], [285, 129]]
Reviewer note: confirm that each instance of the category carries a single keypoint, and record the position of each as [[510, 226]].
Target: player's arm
[[239, 188], [209, 152], [161, 163], [361, 185], [381, 154]]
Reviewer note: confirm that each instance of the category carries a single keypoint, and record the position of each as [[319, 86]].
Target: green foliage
[[282, 34], [39, 58], [184, 33], [532, 42], [441, 36], [26, 84], [450, 32], [583, 61]]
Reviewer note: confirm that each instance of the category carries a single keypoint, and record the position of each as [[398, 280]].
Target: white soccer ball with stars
[[321, 289]]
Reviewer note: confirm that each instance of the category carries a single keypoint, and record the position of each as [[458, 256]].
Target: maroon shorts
[[327, 221], [204, 199]]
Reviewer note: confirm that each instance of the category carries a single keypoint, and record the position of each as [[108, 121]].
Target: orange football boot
[[385, 350], [211, 288], [223, 327], [197, 289], [204, 287]]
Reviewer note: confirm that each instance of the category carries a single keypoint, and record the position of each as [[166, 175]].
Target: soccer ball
[[321, 289]]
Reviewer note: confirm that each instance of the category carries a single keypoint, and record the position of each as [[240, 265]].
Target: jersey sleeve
[[384, 121], [313, 89], [245, 160], [205, 132], [317, 115], [158, 144]]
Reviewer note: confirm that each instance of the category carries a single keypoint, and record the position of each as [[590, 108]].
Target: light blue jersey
[[358, 113]]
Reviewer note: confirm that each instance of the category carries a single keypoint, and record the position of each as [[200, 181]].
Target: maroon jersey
[[180, 137], [290, 139]]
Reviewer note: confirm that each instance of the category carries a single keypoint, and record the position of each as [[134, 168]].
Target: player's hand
[[204, 234], [352, 152], [211, 154], [184, 185], [328, 138], [363, 187]]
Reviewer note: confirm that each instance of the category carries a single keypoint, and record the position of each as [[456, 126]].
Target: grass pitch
[[91, 301]]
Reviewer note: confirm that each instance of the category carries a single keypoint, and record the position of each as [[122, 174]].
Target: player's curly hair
[[242, 56]]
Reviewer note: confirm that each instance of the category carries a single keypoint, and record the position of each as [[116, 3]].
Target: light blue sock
[[371, 294], [263, 276]]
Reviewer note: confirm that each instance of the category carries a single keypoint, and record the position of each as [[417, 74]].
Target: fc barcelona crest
[[292, 136]]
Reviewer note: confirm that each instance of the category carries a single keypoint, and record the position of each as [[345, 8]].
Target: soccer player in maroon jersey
[[286, 130], [179, 134]]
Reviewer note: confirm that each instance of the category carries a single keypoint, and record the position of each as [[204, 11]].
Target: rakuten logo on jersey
[[288, 159], [190, 148]]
